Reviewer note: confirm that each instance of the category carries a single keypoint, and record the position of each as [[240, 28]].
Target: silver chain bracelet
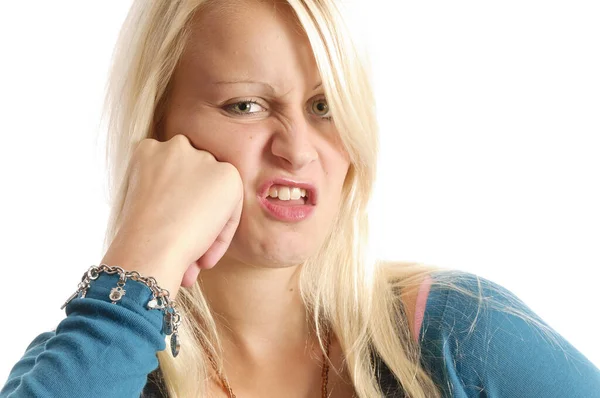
[[160, 297]]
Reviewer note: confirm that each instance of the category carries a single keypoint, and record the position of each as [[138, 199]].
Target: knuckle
[[206, 156], [180, 140], [231, 173], [227, 168]]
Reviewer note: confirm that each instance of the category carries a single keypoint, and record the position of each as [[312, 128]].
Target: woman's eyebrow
[[267, 86]]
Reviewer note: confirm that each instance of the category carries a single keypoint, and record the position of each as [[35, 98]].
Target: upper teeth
[[286, 193]]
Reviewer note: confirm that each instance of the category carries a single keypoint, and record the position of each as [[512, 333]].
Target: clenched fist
[[181, 210]]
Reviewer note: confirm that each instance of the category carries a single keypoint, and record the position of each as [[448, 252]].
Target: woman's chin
[[265, 246], [269, 256]]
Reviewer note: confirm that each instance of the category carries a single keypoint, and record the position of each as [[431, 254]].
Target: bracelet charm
[[116, 293], [167, 323], [175, 344], [155, 305]]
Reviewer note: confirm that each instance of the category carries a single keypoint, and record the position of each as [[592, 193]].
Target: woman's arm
[[99, 350]]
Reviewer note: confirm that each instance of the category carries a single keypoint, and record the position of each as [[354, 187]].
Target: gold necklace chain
[[324, 373]]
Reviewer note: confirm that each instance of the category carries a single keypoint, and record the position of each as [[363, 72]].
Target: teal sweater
[[470, 350]]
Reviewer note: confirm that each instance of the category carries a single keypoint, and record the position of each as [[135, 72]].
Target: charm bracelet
[[160, 297]]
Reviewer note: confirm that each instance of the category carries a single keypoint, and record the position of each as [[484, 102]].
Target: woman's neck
[[256, 308], [266, 333]]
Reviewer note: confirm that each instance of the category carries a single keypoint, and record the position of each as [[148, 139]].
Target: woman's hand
[[181, 210]]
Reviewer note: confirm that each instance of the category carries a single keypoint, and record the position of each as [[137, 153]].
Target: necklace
[[324, 373]]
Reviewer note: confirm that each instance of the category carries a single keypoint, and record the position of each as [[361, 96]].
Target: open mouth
[[287, 200]]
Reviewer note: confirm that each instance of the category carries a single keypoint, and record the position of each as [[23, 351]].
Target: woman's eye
[[245, 107], [320, 108]]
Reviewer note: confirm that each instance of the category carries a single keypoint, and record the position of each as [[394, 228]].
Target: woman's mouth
[[286, 200]]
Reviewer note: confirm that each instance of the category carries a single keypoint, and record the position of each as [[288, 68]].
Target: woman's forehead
[[253, 24], [251, 42]]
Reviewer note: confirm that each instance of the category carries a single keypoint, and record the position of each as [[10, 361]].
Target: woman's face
[[248, 91]]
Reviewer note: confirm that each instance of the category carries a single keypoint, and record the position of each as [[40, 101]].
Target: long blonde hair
[[353, 295]]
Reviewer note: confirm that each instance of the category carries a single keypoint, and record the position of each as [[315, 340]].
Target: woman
[[243, 148]]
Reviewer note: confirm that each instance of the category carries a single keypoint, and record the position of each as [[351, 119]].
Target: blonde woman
[[242, 147]]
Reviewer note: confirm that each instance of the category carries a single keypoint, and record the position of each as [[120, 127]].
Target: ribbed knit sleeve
[[99, 350]]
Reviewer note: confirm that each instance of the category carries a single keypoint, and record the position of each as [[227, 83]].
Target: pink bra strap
[[420, 306]]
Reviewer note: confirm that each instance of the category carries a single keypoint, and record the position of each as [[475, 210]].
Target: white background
[[490, 120]]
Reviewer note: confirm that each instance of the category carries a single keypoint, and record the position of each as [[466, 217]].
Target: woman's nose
[[292, 144]]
